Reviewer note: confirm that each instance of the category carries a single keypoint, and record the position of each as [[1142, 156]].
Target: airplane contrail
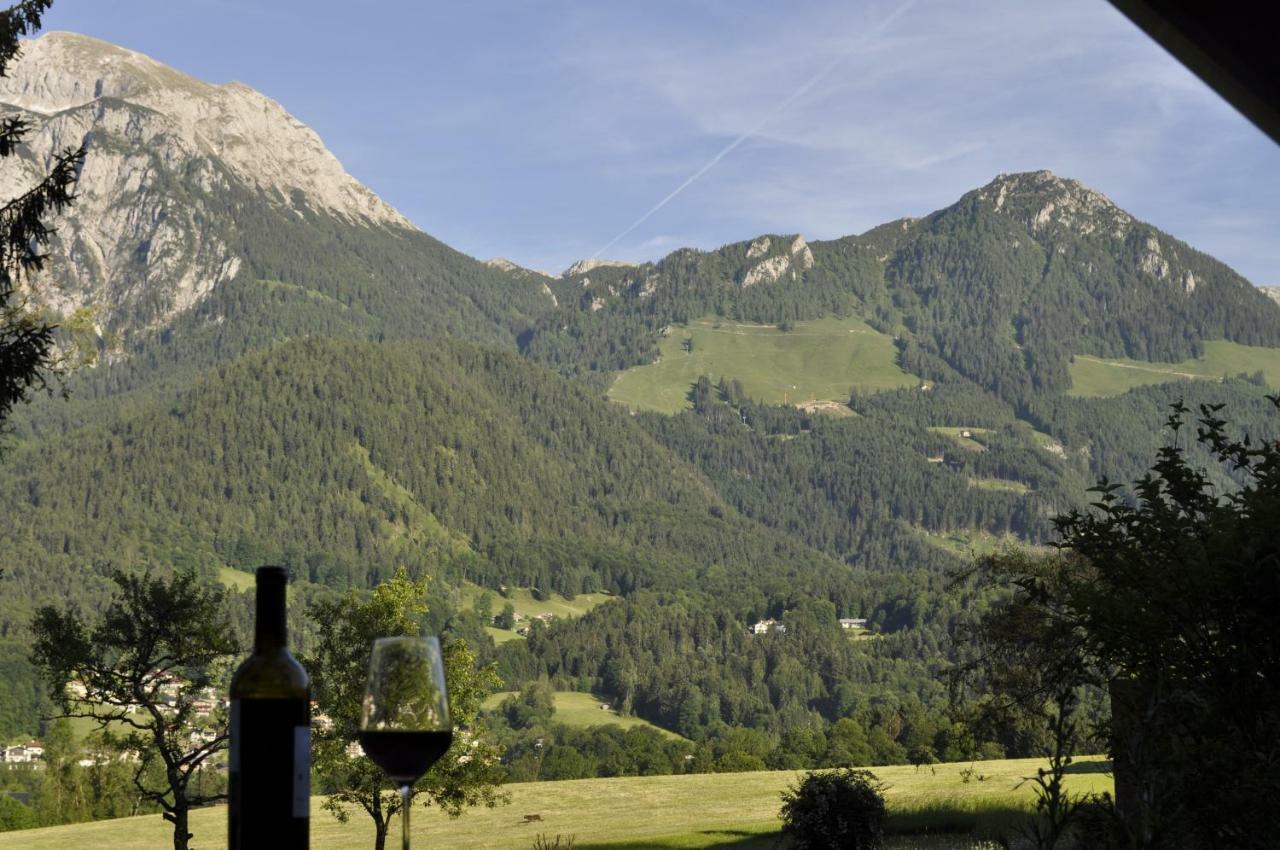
[[760, 125]]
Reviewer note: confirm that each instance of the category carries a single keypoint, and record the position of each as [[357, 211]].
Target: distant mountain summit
[[1041, 201], [1004, 287], [188, 187], [592, 263], [73, 81]]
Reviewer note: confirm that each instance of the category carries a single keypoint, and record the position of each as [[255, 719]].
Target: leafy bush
[[835, 809]]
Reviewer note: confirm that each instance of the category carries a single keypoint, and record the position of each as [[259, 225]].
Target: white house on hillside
[[22, 753]]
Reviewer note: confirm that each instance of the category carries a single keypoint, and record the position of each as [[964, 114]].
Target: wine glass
[[404, 720]]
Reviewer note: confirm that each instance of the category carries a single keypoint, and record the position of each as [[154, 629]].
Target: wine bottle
[[270, 771]]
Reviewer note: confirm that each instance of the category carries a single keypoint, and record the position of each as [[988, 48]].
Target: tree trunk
[[178, 817], [380, 821]]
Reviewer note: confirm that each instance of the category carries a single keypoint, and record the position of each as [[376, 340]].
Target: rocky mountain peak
[[584, 266], [1041, 200], [502, 264], [254, 136], [150, 236]]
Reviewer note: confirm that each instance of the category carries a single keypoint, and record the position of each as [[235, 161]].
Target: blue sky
[[542, 131]]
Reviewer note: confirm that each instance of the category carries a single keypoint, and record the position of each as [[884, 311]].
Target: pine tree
[[27, 352]]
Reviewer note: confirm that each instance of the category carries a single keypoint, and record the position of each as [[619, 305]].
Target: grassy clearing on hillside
[[574, 708], [816, 361], [501, 636], [738, 810], [957, 434], [521, 598], [236, 579], [83, 727], [314, 295], [969, 543], [1003, 484], [1094, 376]]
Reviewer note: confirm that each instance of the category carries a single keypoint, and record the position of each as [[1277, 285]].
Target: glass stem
[[404, 812]]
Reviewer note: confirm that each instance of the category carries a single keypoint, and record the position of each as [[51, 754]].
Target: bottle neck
[[270, 629]]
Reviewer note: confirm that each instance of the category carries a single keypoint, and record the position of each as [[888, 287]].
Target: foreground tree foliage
[[467, 775], [841, 808], [26, 338], [1171, 599], [159, 647]]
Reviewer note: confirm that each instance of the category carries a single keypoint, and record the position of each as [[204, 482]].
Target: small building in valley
[[27, 753]]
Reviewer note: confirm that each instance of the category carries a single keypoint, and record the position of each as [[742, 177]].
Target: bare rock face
[[136, 249], [1272, 292], [584, 266], [759, 248], [1041, 200], [767, 271], [801, 254], [789, 258]]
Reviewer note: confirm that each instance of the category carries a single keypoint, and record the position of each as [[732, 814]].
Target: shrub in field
[[835, 809]]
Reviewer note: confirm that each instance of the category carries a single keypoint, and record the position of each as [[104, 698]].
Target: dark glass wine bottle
[[270, 775]]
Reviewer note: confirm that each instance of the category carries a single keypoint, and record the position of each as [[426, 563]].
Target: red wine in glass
[[405, 756], [404, 721]]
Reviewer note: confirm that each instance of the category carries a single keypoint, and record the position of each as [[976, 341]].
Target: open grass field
[[819, 361], [1094, 376], [726, 810], [574, 708]]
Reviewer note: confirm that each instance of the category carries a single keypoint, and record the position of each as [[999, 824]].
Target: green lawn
[[1094, 376], [818, 361], [737, 810], [574, 708]]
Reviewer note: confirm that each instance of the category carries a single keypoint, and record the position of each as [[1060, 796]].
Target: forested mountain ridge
[[1002, 287], [192, 194], [345, 459]]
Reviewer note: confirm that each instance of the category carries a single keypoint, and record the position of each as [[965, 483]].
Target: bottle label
[[270, 772], [235, 736], [302, 771]]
